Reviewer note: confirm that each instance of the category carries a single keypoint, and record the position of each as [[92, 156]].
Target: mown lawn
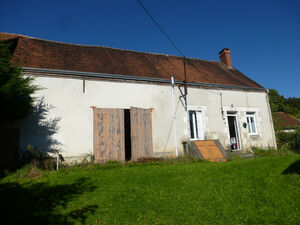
[[250, 191]]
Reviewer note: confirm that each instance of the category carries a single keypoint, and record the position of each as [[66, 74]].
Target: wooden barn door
[[141, 133], [109, 135]]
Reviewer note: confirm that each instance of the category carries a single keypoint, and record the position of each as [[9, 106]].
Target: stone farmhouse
[[117, 104]]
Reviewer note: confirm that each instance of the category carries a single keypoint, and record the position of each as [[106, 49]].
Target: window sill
[[254, 137]]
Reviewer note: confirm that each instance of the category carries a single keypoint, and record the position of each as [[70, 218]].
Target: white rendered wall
[[75, 126]]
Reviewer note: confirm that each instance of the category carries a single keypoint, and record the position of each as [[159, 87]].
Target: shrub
[[37, 159], [288, 140]]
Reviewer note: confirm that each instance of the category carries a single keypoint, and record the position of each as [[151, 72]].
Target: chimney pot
[[225, 57]]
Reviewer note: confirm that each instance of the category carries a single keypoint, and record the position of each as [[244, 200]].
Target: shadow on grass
[[43, 204], [293, 168]]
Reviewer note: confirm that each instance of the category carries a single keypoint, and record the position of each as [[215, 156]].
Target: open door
[[141, 133], [109, 143], [233, 132]]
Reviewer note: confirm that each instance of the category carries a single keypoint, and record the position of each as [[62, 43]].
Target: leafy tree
[[279, 104], [15, 89], [277, 101], [294, 103], [285, 140]]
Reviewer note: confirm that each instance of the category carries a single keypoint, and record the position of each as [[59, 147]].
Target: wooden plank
[[210, 151], [141, 133], [109, 140]]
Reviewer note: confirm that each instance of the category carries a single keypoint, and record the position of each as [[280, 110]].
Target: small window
[[196, 126], [251, 122]]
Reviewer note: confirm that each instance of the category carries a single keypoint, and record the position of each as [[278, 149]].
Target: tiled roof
[[38, 53], [285, 121]]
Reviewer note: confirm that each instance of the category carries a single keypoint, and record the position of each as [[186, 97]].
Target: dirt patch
[[34, 173], [150, 159]]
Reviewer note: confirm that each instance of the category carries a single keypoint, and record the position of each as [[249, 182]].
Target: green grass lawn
[[250, 191]]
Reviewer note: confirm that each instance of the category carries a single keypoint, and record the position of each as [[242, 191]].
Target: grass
[[263, 190]]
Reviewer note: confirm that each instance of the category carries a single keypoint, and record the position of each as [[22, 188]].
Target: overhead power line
[[160, 28], [184, 59]]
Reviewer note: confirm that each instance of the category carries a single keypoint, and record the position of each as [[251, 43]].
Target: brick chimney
[[225, 57]]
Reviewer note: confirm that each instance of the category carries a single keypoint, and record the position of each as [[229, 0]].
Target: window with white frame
[[252, 128], [196, 125]]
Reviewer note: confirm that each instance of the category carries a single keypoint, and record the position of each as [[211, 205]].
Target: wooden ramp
[[210, 150]]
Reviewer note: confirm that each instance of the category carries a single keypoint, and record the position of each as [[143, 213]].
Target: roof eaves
[[135, 78]]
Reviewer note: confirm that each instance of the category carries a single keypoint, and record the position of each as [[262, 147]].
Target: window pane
[[191, 124], [251, 122], [253, 125], [195, 125], [248, 123], [199, 125]]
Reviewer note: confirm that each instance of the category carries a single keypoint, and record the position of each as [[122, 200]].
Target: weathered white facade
[[109, 101], [69, 102]]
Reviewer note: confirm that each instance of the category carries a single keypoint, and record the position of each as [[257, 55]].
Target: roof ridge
[[100, 46]]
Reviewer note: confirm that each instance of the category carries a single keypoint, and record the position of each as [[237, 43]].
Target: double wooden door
[[109, 134]]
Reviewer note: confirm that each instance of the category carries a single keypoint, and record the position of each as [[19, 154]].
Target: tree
[[277, 101], [15, 89], [279, 104], [295, 103], [285, 140]]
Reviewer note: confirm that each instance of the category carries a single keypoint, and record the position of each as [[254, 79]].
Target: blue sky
[[264, 36]]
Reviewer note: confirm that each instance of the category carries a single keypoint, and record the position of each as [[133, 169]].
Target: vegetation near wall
[[15, 89], [288, 140], [291, 106], [278, 103], [16, 102]]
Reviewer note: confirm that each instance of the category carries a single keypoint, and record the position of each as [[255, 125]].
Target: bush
[[288, 140], [37, 159]]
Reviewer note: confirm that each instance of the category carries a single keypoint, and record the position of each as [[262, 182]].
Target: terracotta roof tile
[[285, 121], [38, 53]]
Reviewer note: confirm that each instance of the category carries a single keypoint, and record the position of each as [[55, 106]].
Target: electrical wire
[[184, 59], [160, 28]]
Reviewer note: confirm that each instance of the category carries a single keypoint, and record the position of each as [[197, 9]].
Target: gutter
[[135, 78]]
